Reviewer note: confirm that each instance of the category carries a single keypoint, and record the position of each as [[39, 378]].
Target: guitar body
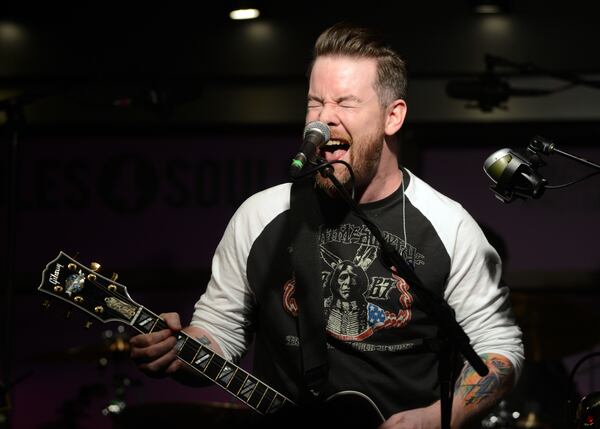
[[347, 409], [352, 409], [109, 301]]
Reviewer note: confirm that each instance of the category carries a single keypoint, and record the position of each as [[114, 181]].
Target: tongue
[[335, 155]]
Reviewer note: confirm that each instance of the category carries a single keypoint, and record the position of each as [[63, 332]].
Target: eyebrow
[[337, 100], [348, 98]]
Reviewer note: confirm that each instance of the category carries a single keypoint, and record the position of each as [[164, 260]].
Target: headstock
[[104, 298]]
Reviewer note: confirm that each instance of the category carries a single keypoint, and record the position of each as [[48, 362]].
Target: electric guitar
[[109, 301]]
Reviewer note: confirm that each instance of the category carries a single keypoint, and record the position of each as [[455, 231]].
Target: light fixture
[[243, 10], [490, 7]]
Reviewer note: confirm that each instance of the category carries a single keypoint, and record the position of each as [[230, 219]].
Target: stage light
[[490, 7], [244, 11]]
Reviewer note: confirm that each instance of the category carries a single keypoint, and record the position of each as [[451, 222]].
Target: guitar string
[[240, 374], [186, 346], [196, 346]]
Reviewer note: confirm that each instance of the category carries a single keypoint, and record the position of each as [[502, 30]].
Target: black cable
[[321, 165], [452, 337], [433, 305], [581, 179]]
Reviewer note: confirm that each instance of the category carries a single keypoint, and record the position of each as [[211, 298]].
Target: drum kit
[[118, 412], [558, 328]]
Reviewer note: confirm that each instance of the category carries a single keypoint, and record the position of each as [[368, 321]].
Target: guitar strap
[[306, 217]]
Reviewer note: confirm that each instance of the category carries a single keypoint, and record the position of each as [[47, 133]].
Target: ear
[[395, 114]]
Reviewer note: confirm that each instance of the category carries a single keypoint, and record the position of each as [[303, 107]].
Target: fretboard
[[220, 371]]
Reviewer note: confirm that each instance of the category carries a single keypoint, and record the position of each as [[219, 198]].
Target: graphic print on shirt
[[348, 314], [358, 301]]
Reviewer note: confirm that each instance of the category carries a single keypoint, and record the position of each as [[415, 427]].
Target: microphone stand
[[540, 144], [14, 120], [452, 338]]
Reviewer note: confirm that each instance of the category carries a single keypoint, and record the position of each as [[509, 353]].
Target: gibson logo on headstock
[[54, 275]]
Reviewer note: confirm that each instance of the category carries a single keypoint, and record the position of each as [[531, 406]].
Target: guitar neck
[[222, 372], [107, 300]]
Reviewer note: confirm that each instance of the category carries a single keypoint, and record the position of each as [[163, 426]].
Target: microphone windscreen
[[319, 127]]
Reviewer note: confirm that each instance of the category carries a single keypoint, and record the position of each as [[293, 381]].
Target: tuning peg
[[88, 324], [114, 277], [46, 304], [95, 266]]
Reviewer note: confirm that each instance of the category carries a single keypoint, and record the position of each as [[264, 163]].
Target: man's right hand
[[154, 353]]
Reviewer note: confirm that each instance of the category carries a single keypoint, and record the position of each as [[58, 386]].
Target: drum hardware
[[587, 413], [501, 418]]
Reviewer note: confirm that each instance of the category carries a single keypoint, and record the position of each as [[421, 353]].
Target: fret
[[247, 388], [257, 395], [214, 367], [276, 403], [202, 358], [146, 321], [160, 324], [265, 403], [181, 346], [188, 352], [101, 290], [226, 374], [237, 381]]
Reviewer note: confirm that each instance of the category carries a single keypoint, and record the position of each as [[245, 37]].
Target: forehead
[[342, 75]]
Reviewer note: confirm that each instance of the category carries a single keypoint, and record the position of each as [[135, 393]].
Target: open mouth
[[334, 150]]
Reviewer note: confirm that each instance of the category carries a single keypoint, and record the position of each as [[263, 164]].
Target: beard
[[364, 157]]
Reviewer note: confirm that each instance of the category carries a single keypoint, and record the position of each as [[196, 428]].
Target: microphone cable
[[320, 165], [581, 179]]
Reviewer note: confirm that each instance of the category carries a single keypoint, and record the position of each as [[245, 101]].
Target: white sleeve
[[481, 304], [226, 308]]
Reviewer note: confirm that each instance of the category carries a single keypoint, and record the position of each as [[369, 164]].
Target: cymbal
[[117, 347], [532, 421]]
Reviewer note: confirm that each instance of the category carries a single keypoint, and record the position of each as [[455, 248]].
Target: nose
[[328, 114]]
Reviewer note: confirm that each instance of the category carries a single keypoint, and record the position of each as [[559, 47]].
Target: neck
[[387, 179]]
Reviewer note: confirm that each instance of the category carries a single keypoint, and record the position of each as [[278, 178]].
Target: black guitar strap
[[305, 221]]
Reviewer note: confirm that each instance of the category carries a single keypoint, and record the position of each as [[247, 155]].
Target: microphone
[[514, 175], [489, 91], [316, 134]]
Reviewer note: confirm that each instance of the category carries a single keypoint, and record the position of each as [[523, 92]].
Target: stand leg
[[13, 114], [446, 365]]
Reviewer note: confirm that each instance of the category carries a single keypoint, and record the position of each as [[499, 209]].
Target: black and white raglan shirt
[[373, 319]]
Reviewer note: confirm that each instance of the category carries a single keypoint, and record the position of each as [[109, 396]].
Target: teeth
[[335, 143]]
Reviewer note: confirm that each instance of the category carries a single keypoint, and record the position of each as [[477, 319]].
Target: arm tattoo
[[474, 389], [204, 340]]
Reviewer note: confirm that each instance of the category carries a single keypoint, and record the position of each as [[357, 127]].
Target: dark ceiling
[[80, 62]]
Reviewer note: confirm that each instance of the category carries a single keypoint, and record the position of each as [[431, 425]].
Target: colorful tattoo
[[475, 389]]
